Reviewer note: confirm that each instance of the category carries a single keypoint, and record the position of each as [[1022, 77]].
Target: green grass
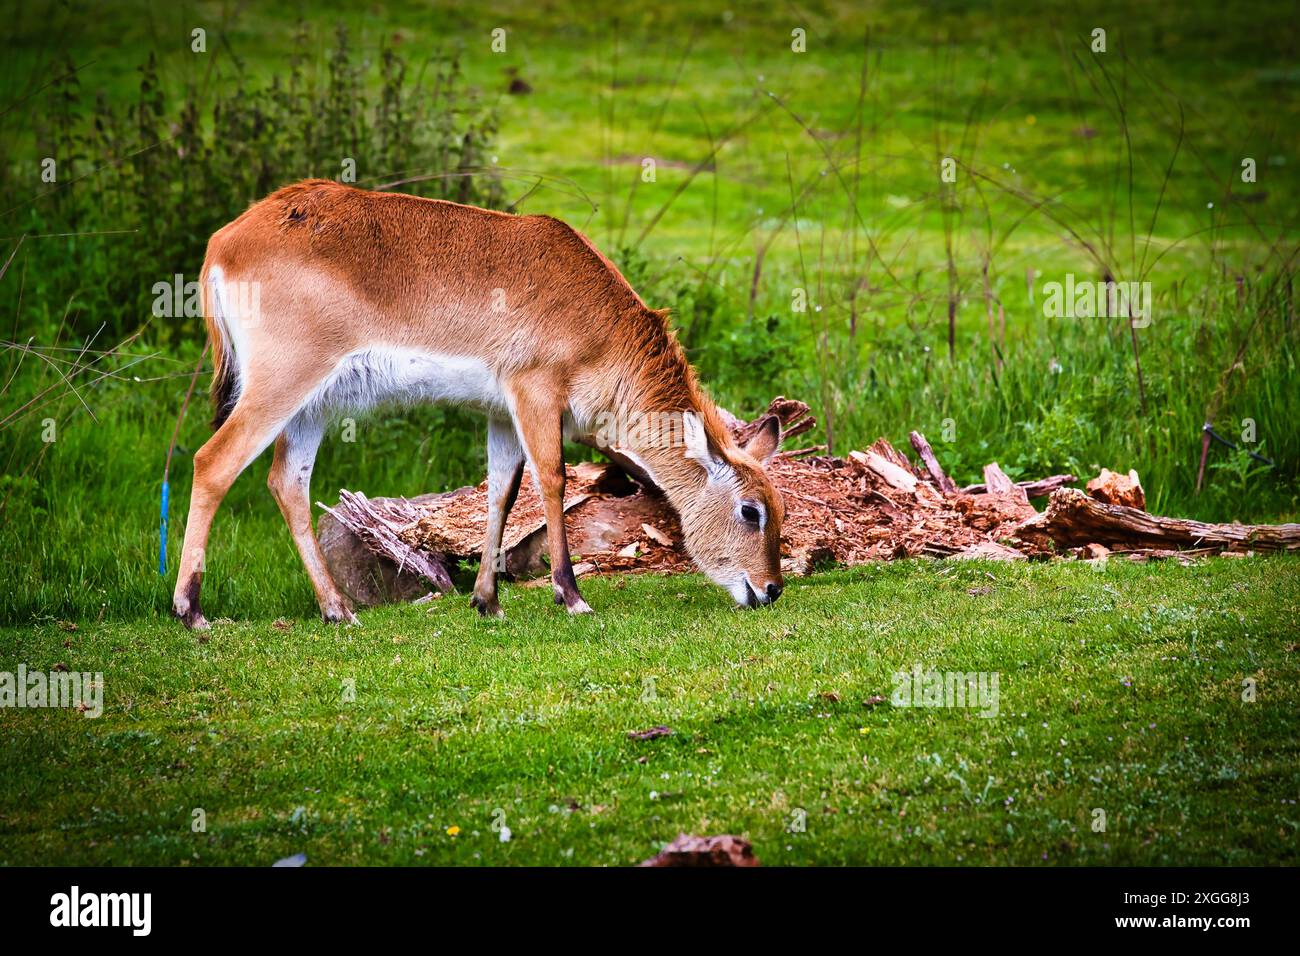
[[1120, 689]]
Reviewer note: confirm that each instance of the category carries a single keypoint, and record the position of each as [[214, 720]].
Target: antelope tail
[[225, 375]]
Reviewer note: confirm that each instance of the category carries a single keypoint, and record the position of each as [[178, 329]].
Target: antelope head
[[732, 526]]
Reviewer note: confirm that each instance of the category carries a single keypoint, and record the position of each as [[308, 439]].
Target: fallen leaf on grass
[[282, 624], [873, 701], [689, 850], [651, 734]]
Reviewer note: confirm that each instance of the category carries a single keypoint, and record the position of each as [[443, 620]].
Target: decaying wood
[[1032, 489], [1074, 519], [1112, 488], [868, 507], [996, 480], [888, 471], [872, 505], [367, 578], [945, 484], [378, 524], [793, 415]]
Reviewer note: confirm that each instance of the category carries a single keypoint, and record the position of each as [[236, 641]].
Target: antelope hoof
[[579, 607], [487, 607], [339, 613], [192, 618]]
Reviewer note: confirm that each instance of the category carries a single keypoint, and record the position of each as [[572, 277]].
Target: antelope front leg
[[505, 469], [538, 419]]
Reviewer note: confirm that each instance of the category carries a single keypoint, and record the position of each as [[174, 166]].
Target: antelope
[[361, 298]]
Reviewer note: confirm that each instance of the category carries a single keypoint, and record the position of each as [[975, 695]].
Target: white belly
[[375, 376]]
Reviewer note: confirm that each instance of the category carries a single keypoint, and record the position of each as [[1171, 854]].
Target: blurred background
[[773, 175]]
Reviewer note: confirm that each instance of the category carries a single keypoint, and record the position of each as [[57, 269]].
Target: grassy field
[[1120, 689]]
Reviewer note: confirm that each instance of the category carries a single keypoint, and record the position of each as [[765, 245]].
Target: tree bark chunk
[[945, 484], [1112, 488], [996, 481], [1032, 489], [887, 471]]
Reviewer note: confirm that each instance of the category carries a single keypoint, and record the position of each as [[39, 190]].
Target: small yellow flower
[[864, 730], [452, 831], [1031, 119]]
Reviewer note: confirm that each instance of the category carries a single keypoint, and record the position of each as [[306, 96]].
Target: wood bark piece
[[377, 524], [657, 536], [989, 551], [793, 415], [1040, 488], [891, 454], [1074, 519], [887, 471], [945, 484], [996, 481], [367, 578], [1115, 489]]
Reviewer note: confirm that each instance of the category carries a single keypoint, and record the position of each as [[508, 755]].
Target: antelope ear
[[697, 447], [766, 440]]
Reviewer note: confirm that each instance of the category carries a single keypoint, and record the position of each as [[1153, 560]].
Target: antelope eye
[[749, 513]]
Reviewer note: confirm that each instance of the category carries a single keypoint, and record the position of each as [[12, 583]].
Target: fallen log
[[869, 507], [873, 505], [1073, 519]]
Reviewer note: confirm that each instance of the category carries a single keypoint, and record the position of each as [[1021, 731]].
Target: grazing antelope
[[363, 297]]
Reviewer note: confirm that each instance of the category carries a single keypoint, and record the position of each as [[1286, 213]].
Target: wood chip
[[657, 536]]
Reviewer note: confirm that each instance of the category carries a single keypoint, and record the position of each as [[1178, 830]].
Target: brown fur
[[342, 269]]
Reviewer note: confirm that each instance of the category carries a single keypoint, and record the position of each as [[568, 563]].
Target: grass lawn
[[1120, 689]]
